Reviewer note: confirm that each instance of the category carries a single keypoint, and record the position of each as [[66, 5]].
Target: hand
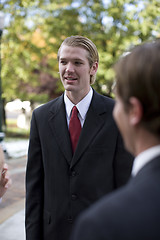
[[5, 180]]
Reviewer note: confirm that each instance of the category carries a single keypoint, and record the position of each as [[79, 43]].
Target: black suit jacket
[[58, 185], [131, 213]]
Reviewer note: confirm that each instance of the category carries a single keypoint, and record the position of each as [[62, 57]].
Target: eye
[[78, 63], [63, 62]]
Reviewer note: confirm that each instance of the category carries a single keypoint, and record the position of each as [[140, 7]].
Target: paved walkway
[[13, 228], [12, 206]]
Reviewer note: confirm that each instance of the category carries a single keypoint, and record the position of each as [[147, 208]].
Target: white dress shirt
[[145, 157], [82, 107]]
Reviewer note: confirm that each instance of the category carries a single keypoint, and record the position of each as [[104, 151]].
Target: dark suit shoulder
[[49, 106], [103, 97], [145, 185], [102, 102], [135, 205]]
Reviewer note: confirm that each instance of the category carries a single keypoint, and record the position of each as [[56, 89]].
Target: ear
[[135, 111], [94, 68]]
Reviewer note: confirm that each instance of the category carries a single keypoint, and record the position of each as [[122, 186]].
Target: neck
[[76, 97], [144, 141]]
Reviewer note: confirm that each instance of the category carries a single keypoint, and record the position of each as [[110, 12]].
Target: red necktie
[[74, 128]]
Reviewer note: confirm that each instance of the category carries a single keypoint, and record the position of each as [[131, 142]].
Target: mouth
[[70, 78]]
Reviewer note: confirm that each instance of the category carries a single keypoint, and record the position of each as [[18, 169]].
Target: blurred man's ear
[[135, 111]]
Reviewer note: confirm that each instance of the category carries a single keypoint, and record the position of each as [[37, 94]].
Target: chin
[[69, 88]]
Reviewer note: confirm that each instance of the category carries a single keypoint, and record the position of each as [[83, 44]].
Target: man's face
[[74, 69], [122, 120]]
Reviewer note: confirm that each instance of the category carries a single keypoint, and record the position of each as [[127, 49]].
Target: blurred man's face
[[121, 117]]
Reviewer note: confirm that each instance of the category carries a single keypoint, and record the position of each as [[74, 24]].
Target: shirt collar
[[82, 106], [145, 157]]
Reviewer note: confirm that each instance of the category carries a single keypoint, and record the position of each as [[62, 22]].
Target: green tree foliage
[[36, 28]]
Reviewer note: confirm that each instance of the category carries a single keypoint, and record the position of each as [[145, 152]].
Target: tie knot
[[74, 111]]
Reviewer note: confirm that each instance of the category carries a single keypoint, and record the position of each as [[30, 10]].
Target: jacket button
[[73, 173], [74, 197]]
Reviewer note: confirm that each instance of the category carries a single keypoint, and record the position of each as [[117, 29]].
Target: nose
[[69, 67]]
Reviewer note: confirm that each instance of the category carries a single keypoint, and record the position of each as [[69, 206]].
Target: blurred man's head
[[138, 89]]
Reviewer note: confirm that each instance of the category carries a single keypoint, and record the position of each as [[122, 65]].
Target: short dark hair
[[138, 75]]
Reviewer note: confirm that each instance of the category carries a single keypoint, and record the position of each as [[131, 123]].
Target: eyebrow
[[74, 59]]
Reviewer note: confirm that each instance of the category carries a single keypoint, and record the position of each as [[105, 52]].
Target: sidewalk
[[12, 206], [13, 228]]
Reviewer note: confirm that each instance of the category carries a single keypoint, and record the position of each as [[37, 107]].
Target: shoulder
[[98, 220], [103, 97], [50, 106], [134, 194], [126, 206], [107, 101]]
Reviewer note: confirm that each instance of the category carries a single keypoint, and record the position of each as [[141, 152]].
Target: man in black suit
[[133, 211], [61, 181]]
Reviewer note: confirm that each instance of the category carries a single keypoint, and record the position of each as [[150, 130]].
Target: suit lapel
[[58, 124], [93, 123]]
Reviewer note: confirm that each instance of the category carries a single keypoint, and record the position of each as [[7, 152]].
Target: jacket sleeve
[[34, 185]]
